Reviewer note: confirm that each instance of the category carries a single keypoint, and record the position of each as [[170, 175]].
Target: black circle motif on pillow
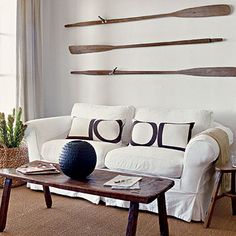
[[78, 159]]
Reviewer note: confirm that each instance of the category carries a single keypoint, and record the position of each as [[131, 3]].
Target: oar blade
[[81, 49], [204, 11], [211, 71]]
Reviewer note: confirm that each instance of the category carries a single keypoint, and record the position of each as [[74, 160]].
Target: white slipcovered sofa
[[190, 164]]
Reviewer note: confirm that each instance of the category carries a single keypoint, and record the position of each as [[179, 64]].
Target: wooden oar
[[80, 49], [204, 71], [202, 11]]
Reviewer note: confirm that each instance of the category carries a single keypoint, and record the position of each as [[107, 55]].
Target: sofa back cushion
[[93, 129], [202, 118], [92, 111]]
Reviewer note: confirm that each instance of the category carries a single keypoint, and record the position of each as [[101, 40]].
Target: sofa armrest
[[41, 130], [199, 155]]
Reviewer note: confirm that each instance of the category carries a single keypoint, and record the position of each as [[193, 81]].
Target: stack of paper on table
[[124, 182], [38, 167]]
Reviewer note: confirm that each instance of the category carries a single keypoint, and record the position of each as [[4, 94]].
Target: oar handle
[[117, 20]]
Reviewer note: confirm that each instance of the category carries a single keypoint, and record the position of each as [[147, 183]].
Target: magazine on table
[[38, 167], [135, 186], [124, 182]]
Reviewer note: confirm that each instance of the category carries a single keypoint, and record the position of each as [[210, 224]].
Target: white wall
[[61, 89]]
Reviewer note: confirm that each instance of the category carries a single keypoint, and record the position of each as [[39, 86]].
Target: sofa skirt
[[182, 205]]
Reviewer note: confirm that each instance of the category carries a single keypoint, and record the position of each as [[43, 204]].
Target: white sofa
[[191, 169]]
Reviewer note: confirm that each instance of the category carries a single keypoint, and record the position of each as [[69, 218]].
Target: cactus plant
[[12, 129]]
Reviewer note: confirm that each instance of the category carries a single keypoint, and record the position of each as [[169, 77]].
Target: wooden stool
[[232, 194]]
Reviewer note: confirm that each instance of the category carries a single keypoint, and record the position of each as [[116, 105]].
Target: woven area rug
[[28, 216]]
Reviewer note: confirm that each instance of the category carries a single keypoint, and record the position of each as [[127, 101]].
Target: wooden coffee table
[[151, 188]]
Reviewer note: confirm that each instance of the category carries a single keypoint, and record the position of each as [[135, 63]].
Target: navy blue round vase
[[78, 159]]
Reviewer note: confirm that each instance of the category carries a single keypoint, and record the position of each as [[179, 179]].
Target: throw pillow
[[143, 133], [108, 130], [81, 128], [175, 135], [96, 129]]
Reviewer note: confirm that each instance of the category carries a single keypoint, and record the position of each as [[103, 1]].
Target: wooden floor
[[28, 216]]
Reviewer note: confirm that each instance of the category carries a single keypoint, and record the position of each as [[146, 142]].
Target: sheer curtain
[[29, 58], [7, 55]]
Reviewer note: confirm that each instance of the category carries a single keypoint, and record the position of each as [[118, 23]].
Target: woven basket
[[13, 158]]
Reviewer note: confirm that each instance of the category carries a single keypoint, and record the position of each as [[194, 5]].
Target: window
[[7, 55]]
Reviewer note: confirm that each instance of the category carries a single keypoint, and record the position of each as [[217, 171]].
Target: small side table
[[227, 168]]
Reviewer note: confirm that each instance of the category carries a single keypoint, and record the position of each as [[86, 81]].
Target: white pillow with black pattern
[[144, 133], [174, 135], [96, 129], [81, 128], [108, 130]]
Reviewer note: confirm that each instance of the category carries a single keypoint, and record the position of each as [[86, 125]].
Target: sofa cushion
[[125, 113], [51, 150], [100, 130], [202, 118], [174, 135], [151, 160]]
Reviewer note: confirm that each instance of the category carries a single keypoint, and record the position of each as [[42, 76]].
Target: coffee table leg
[[163, 223], [5, 203], [132, 219], [47, 196]]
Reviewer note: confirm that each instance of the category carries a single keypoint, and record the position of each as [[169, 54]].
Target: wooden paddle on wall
[[81, 49], [202, 11], [204, 71]]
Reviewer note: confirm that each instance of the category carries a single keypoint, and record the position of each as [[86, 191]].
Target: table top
[[226, 168], [150, 187]]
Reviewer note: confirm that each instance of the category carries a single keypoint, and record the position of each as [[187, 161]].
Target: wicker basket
[[13, 158]]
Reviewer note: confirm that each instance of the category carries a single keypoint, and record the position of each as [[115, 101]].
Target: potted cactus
[[13, 153]]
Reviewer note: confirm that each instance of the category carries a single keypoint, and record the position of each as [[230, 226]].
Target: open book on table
[[38, 167]]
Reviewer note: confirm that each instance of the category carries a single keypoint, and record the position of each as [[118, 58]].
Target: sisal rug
[[28, 216]]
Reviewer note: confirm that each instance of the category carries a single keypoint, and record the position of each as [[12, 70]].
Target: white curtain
[[29, 58]]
